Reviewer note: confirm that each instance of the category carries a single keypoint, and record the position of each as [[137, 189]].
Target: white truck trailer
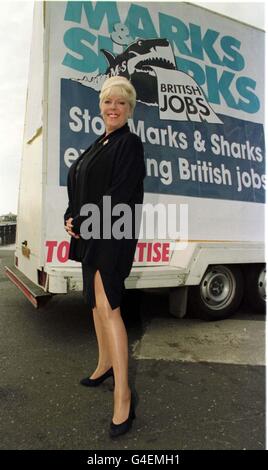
[[199, 78]]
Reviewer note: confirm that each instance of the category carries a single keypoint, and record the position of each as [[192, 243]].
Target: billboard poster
[[197, 95]]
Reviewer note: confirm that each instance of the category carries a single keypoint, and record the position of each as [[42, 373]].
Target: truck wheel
[[256, 287], [219, 293]]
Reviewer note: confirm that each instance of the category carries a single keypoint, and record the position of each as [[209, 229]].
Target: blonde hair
[[120, 86]]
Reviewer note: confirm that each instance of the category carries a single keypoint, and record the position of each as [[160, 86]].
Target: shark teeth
[[159, 61]]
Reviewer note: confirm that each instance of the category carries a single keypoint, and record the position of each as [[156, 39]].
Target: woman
[[113, 167]]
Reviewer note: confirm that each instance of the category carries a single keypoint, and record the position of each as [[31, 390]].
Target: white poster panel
[[200, 107]]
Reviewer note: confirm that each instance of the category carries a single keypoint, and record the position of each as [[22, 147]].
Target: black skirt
[[113, 285]]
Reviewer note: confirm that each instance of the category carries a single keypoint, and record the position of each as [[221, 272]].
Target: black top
[[112, 166]]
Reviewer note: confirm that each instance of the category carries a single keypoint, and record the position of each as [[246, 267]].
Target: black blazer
[[115, 168]]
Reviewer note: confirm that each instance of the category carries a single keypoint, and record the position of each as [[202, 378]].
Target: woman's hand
[[68, 227]]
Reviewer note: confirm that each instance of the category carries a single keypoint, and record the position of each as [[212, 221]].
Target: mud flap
[[178, 301]]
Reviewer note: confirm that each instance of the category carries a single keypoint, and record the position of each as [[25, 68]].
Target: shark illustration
[[135, 64], [147, 62]]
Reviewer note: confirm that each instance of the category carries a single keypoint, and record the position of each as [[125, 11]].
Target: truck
[[199, 78]]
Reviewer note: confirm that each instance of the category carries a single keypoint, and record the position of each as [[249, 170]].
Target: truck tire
[[219, 293], [255, 294]]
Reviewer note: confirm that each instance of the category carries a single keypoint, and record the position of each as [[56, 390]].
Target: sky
[[15, 39]]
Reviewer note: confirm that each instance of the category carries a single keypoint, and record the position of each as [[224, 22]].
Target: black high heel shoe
[[117, 430], [95, 382]]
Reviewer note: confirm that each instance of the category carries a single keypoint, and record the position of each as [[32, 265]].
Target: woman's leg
[[114, 330], [103, 345]]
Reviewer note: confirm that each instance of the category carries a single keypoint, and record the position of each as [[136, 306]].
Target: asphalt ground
[[185, 402]]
